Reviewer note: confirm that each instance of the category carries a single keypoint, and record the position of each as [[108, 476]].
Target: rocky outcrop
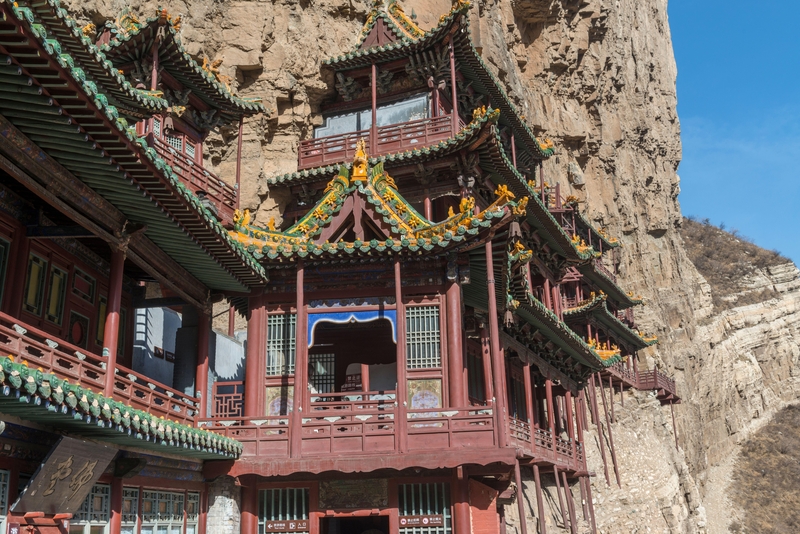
[[598, 77]]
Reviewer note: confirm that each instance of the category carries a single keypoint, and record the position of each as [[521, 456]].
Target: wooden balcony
[[221, 194], [663, 385], [395, 138], [539, 444], [40, 350], [621, 373]]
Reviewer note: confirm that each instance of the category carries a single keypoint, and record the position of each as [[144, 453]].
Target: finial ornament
[[359, 173]]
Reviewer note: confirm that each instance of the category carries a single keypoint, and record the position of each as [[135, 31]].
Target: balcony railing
[[622, 372], [394, 138], [603, 269], [539, 443], [655, 380], [228, 399], [198, 179], [39, 349]]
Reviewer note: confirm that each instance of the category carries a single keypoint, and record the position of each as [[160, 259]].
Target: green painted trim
[[69, 403]]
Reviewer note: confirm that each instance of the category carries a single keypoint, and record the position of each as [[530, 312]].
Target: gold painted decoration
[[89, 30], [359, 173]]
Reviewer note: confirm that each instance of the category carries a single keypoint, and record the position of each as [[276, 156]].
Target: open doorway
[[353, 361], [354, 525]]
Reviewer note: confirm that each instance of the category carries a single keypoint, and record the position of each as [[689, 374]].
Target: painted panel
[[346, 317], [353, 494]]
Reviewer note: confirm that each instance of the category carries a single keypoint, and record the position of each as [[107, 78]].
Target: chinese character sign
[[65, 477]]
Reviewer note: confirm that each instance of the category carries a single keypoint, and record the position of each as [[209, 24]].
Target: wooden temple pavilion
[[433, 314]]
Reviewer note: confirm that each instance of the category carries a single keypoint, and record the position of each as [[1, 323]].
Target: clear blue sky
[[739, 107]]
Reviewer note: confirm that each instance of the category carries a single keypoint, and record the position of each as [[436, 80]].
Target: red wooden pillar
[[551, 420], [111, 331], [300, 369], [373, 130], [115, 522], [231, 321], [486, 355], [461, 502], [523, 523], [526, 372], [455, 349], [401, 437], [154, 72], [498, 369], [428, 206], [201, 377], [455, 92], [539, 500], [202, 520], [249, 509], [568, 404], [239, 164], [256, 347]]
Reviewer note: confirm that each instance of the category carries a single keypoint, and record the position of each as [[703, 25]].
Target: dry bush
[[726, 259], [766, 479]]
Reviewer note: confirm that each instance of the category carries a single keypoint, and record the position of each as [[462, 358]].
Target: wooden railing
[[654, 379], [621, 371], [66, 361], [353, 401], [394, 138], [228, 399], [539, 443], [220, 193], [603, 269]]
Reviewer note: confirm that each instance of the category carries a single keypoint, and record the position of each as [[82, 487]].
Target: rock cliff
[[598, 77]]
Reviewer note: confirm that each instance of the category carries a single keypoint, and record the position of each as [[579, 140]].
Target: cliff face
[[598, 77]]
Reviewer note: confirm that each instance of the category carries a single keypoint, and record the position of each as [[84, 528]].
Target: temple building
[[428, 322]]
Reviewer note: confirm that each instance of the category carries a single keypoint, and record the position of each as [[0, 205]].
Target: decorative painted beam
[[52, 232]]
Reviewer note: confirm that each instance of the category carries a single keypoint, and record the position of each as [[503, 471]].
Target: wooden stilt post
[[582, 481], [111, 328], [674, 427], [590, 504], [610, 435], [600, 436], [611, 398], [523, 522], [561, 506], [537, 480], [621, 394], [573, 523]]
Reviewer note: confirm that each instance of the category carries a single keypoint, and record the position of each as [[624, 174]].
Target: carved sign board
[[422, 521], [350, 494], [299, 525], [65, 477]]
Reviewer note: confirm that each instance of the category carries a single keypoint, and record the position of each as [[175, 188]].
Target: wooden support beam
[[674, 427], [611, 398], [590, 504], [582, 482], [573, 523], [600, 437], [52, 232], [561, 507], [537, 480], [523, 522], [610, 434]]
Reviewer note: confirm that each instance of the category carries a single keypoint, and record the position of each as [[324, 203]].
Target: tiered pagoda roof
[[407, 231], [132, 40], [596, 312], [63, 108]]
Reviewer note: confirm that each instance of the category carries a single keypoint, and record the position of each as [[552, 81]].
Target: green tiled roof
[[136, 41], [46, 399], [608, 243], [598, 311], [602, 282], [176, 220]]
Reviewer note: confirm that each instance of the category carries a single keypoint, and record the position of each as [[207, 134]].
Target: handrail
[[654, 379], [67, 361], [199, 178]]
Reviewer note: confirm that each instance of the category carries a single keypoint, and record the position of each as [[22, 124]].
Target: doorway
[[354, 525]]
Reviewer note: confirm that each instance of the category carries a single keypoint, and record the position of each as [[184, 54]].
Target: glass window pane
[[403, 111], [338, 124]]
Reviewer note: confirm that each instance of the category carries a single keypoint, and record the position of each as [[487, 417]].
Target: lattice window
[[190, 149], [192, 512], [175, 141], [281, 340], [157, 127], [422, 337], [322, 372], [96, 507], [162, 512], [289, 505], [4, 478], [425, 508], [130, 507]]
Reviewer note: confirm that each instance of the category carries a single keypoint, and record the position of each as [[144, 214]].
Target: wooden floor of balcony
[[27, 344]]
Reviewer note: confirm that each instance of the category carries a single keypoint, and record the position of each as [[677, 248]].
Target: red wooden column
[[461, 502], [231, 321], [539, 500], [455, 349], [568, 404], [454, 83], [115, 522], [401, 436], [523, 523], [373, 130], [300, 369], [256, 347], [526, 371], [111, 331], [201, 378], [249, 523], [551, 416], [486, 354], [498, 369]]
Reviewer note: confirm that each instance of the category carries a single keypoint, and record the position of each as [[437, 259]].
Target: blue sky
[[739, 107]]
